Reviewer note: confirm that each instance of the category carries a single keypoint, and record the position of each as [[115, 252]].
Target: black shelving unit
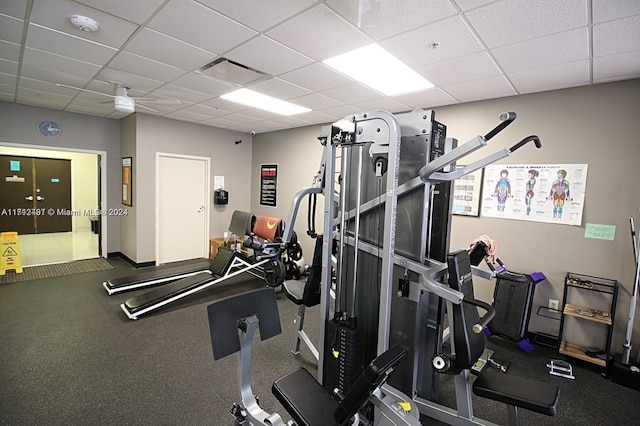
[[577, 282]]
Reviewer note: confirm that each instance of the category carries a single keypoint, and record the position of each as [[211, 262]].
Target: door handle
[[39, 198], [29, 198]]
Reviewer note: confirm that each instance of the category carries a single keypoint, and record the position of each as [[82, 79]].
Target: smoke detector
[[85, 24]]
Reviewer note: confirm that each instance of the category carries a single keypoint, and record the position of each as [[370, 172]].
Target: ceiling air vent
[[232, 72]]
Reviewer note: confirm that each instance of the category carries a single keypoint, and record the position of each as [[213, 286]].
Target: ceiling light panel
[[258, 100], [373, 66]]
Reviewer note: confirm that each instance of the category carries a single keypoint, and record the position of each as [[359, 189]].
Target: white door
[[182, 207]]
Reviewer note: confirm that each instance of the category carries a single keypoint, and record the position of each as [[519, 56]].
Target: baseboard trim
[[130, 261]]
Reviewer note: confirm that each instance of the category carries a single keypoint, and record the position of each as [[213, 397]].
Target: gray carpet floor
[[69, 355]]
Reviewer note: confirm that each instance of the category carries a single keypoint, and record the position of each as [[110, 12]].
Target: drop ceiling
[[470, 49]]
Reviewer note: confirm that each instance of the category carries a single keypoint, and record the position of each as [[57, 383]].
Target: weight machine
[[378, 175]]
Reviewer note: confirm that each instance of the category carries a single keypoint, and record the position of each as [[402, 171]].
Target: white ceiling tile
[[135, 64], [63, 44], [319, 33], [454, 38], [351, 93], [393, 17], [316, 77], [465, 5], [8, 67], [15, 8], [315, 117], [134, 11], [426, 99], [200, 83], [259, 114], [7, 79], [487, 88], [569, 46], [222, 122], [135, 81], [54, 76], [38, 59], [280, 89], [540, 45], [11, 29], [259, 15], [259, 54], [210, 112], [618, 36], [383, 104], [221, 104], [7, 92], [55, 14], [174, 52], [508, 22], [315, 101], [179, 92], [200, 26], [292, 121], [186, 115], [465, 68], [46, 87], [608, 10], [553, 77], [9, 51], [616, 67], [51, 100]]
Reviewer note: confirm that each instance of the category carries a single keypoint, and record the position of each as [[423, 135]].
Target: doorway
[[182, 207], [76, 240], [35, 195]]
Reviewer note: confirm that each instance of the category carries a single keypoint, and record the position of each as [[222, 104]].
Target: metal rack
[[577, 282]]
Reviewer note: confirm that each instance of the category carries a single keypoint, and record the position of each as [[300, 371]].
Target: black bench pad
[[305, 399], [517, 391]]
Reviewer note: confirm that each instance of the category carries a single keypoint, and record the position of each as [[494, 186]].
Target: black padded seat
[[305, 399], [519, 392], [309, 403]]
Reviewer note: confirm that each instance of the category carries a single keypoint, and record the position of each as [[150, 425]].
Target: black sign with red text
[[268, 184]]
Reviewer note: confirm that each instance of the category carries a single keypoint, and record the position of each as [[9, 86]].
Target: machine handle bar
[[486, 318], [506, 118], [534, 138]]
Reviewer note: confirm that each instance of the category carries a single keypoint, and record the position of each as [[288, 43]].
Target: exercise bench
[[233, 322], [469, 343]]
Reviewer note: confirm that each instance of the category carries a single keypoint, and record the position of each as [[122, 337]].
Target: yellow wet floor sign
[[10, 252]]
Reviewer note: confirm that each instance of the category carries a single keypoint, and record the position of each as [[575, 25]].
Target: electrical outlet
[[553, 304]]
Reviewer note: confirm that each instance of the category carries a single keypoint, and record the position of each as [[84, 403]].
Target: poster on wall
[[466, 194], [268, 184], [552, 193], [127, 181]]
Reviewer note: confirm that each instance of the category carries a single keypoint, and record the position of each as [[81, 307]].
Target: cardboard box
[[214, 243]]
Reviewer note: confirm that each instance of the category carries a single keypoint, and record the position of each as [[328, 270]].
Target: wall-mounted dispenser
[[221, 196]]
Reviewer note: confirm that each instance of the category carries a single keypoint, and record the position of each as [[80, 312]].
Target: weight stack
[[342, 372]]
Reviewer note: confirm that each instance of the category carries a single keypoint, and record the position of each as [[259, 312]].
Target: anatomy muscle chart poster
[[551, 193]]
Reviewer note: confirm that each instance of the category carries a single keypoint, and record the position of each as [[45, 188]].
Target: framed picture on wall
[[466, 194], [127, 181]]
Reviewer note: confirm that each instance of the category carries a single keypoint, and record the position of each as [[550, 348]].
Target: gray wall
[[19, 125], [597, 125], [155, 134]]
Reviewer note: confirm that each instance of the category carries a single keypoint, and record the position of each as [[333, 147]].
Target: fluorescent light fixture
[[375, 67], [264, 102]]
